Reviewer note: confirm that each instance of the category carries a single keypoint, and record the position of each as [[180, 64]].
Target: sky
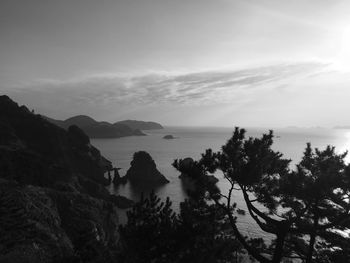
[[269, 63]]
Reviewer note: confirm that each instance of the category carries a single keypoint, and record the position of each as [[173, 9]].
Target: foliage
[[154, 233], [304, 209], [148, 234]]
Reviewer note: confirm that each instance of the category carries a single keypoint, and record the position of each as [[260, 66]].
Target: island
[[169, 137], [104, 129], [143, 171]]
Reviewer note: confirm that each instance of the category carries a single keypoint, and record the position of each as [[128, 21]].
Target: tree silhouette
[[304, 209], [154, 233], [149, 233]]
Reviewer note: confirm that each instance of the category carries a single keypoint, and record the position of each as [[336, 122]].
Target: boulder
[[143, 170]]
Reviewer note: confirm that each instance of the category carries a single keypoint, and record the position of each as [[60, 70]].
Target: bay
[[191, 142]]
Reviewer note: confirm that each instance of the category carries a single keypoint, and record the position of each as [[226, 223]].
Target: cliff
[[143, 171], [53, 204]]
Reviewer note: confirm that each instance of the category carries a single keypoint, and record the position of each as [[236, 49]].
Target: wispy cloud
[[199, 88]]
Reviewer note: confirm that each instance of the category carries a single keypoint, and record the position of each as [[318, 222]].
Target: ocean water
[[191, 142]]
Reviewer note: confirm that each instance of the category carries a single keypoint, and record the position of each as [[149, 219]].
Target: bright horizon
[[207, 63]]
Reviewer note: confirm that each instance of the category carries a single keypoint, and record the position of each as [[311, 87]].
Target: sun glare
[[342, 61]]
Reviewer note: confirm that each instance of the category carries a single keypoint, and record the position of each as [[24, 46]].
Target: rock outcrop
[[117, 179], [143, 171], [53, 203]]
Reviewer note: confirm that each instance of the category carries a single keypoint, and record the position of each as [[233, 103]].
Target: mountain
[[80, 121], [95, 129], [53, 203], [141, 125]]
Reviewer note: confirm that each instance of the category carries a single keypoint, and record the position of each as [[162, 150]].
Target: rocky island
[[143, 171], [169, 137]]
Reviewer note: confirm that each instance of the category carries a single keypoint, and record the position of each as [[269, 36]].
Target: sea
[[192, 142]]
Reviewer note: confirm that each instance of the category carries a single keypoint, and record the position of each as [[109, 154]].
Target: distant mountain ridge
[[141, 125], [346, 127], [103, 129]]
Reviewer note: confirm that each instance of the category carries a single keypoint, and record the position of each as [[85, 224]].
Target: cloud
[[113, 93]]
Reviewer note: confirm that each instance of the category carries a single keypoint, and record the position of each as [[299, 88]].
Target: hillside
[[95, 129], [53, 204]]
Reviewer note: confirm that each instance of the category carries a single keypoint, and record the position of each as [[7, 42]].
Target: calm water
[[191, 142]]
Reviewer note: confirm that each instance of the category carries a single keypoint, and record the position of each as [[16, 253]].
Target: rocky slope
[[53, 204]]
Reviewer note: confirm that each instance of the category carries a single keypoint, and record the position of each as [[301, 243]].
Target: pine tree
[[304, 209]]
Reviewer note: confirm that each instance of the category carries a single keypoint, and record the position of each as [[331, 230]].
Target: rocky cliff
[[143, 171], [53, 204]]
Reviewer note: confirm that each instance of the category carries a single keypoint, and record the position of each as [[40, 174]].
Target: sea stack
[[143, 170]]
